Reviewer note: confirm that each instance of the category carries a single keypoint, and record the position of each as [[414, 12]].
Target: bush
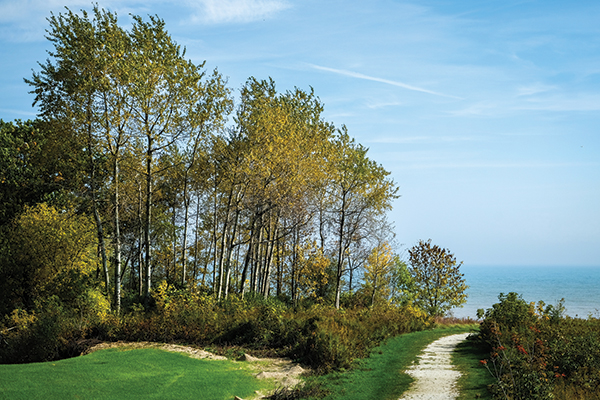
[[37, 336], [536, 353], [320, 336]]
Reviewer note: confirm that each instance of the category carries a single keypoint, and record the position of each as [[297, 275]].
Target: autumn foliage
[[537, 353], [150, 201]]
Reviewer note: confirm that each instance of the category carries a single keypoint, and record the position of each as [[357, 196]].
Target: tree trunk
[[97, 219], [117, 238], [140, 242], [197, 227], [269, 261], [247, 259], [148, 261], [340, 260], [224, 242], [101, 246], [230, 250], [186, 207]]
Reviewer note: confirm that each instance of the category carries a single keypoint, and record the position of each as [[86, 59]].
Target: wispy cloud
[[381, 80], [424, 139], [563, 103], [18, 112], [478, 109], [25, 21], [495, 165], [384, 104], [232, 11], [533, 89]]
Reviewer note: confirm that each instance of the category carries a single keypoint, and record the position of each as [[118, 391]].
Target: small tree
[[438, 282], [379, 272]]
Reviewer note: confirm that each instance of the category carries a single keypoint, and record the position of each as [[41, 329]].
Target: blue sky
[[487, 113]]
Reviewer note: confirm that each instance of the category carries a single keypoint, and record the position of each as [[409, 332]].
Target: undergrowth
[[318, 336], [537, 353]]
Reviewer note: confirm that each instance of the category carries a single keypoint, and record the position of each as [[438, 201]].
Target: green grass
[[475, 377], [380, 376], [131, 374]]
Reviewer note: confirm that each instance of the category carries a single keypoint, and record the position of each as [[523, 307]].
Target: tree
[[308, 273], [379, 272], [402, 287], [127, 93], [438, 282], [360, 190], [84, 89], [52, 254], [166, 98]]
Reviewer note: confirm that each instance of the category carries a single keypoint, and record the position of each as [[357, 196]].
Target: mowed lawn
[[130, 374]]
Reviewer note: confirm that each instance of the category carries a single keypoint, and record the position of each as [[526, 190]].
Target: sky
[[486, 112]]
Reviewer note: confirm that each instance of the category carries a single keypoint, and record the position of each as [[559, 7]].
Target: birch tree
[[164, 96], [359, 187], [83, 88]]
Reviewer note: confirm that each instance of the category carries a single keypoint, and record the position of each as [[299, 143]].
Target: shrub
[[37, 336], [320, 336], [536, 353]]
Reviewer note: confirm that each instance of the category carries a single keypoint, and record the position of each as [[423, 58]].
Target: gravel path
[[434, 376]]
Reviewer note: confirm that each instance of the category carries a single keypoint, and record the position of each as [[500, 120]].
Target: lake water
[[579, 286]]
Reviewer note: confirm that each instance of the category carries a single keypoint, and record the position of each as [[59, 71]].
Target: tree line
[[143, 167]]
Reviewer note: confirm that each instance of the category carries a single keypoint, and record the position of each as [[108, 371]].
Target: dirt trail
[[434, 376]]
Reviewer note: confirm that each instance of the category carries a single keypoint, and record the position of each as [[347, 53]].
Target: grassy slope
[[133, 374], [475, 378], [152, 373], [379, 376]]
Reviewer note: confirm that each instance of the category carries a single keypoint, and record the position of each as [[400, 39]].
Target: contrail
[[386, 81]]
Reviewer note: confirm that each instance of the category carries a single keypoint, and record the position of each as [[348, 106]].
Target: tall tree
[[84, 89], [209, 118], [359, 188], [285, 141], [164, 95]]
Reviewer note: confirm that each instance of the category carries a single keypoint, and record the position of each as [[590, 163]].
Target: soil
[[435, 379]]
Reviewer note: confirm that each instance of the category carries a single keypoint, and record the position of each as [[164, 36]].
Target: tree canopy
[[440, 286], [182, 182]]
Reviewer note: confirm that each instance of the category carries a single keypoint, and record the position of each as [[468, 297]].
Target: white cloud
[[25, 21], [231, 11]]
